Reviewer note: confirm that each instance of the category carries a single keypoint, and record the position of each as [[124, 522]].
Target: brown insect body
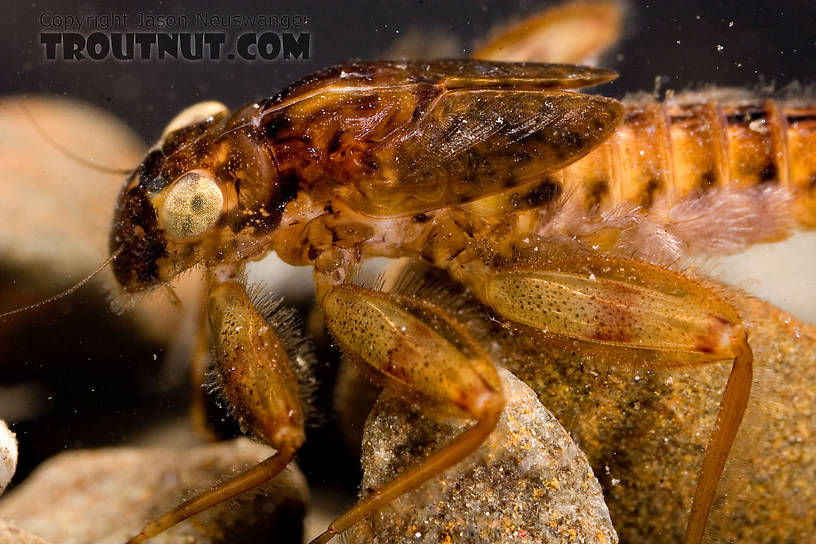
[[669, 162], [330, 143], [476, 167]]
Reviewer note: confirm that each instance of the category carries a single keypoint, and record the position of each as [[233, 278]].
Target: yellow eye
[[191, 205], [194, 114]]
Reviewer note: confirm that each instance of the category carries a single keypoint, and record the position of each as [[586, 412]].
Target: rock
[[780, 273], [57, 210], [8, 455], [528, 482], [105, 496], [11, 534], [569, 32]]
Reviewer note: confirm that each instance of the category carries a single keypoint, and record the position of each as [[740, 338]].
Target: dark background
[[770, 39], [684, 43]]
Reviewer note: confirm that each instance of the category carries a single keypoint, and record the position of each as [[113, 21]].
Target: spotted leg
[[259, 383], [625, 311], [419, 351]]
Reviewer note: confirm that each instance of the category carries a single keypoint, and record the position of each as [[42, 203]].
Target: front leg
[[258, 382]]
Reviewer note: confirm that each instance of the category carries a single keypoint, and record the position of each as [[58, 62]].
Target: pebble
[[528, 482], [11, 534], [8, 455], [105, 496]]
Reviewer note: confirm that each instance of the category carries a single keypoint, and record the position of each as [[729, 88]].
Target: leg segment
[[732, 408], [259, 474], [420, 351], [259, 383], [628, 312]]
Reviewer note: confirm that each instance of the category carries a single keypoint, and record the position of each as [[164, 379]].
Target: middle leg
[[421, 352]]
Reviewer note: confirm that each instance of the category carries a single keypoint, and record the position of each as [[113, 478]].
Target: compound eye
[[194, 114], [191, 205]]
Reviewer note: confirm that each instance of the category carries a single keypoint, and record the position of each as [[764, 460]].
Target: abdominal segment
[[665, 153]]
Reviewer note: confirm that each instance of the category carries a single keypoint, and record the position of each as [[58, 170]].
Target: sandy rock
[[8, 455], [528, 482], [105, 496]]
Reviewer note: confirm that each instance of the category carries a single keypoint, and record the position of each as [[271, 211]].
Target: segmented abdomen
[[667, 152]]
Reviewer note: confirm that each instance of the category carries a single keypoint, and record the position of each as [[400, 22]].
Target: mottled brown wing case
[[393, 139]]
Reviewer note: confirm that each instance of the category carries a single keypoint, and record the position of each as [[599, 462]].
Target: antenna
[[68, 291], [67, 152]]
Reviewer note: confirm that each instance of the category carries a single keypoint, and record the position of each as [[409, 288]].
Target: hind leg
[[627, 312]]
